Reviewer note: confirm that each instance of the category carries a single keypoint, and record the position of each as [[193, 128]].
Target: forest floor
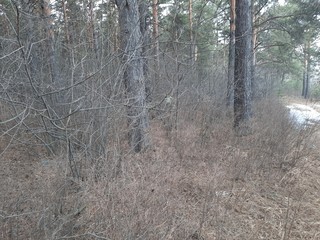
[[201, 183]]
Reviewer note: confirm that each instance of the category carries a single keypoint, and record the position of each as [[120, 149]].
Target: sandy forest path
[[303, 111]]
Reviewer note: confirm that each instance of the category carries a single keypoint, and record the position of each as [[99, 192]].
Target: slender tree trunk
[[130, 46], [307, 85], [155, 35], [192, 44], [306, 81], [306, 71], [93, 37], [66, 23], [230, 87], [46, 12], [255, 31], [243, 67], [304, 78], [32, 58]]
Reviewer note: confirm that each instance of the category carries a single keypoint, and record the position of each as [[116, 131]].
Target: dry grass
[[199, 182]]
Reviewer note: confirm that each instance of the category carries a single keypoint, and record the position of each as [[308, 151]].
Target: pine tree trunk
[[66, 24], [304, 77], [130, 46], [243, 67], [254, 86], [146, 38], [230, 87], [92, 31], [192, 44], [155, 35], [306, 71], [46, 13]]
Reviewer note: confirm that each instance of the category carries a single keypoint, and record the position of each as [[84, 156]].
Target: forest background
[[135, 119]]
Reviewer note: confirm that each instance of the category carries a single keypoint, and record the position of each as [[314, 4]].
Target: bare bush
[[187, 186], [66, 170]]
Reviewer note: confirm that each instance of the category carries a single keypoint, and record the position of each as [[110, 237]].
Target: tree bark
[[146, 40], [243, 67], [306, 71], [46, 13], [92, 31], [230, 87], [130, 47], [192, 44], [66, 24], [255, 30], [155, 35]]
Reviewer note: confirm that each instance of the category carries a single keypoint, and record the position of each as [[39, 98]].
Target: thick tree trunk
[[230, 87], [146, 40], [243, 67], [130, 46]]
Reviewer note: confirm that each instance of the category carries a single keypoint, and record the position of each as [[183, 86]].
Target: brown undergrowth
[[197, 181]]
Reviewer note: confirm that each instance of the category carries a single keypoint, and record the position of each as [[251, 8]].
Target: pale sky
[[281, 2]]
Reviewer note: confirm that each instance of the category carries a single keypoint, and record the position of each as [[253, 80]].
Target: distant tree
[[306, 69], [66, 25], [287, 42], [192, 45], [48, 22], [130, 47], [91, 29], [306, 22], [243, 66]]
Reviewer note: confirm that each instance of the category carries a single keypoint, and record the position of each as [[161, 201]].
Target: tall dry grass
[[198, 181]]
